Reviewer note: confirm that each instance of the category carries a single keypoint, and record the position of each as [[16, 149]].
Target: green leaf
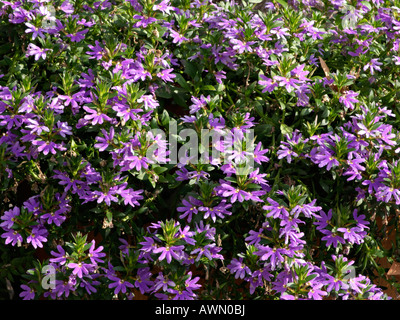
[[285, 129], [109, 215], [208, 87], [310, 277], [165, 118], [283, 3], [182, 82]]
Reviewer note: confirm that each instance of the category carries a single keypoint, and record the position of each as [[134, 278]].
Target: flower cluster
[[177, 149]]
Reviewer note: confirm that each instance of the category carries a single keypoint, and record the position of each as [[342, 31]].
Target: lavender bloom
[[254, 237], [103, 143], [9, 218], [239, 268], [269, 84], [177, 38], [316, 293], [332, 238], [54, 217], [307, 209], [199, 103], [168, 253], [28, 293], [60, 256], [276, 256], [67, 7], [218, 211], [36, 31], [95, 116], [143, 283], [34, 50], [191, 283], [79, 36], [236, 194], [37, 236], [162, 282], [120, 285], [373, 66], [46, 146], [97, 51], [96, 254], [285, 152], [348, 99], [12, 236], [80, 268], [64, 287], [166, 75], [189, 208], [275, 209]]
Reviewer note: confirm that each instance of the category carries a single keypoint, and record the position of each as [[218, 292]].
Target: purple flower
[[106, 196], [285, 152], [218, 211], [103, 143], [186, 235], [332, 238], [268, 83], [54, 217], [34, 50], [120, 285], [166, 75], [65, 287], [28, 293], [36, 31], [191, 284], [254, 237], [12, 236], [323, 219], [37, 236], [203, 250], [258, 154], [169, 252], [46, 146], [241, 46], [348, 99], [80, 268], [148, 101], [316, 293], [67, 7], [177, 37], [307, 209], [95, 116], [97, 51], [239, 268], [274, 255], [60, 256], [372, 66], [9, 217], [189, 208], [353, 235], [236, 194], [326, 159], [288, 83], [163, 282], [143, 282], [199, 103], [275, 209], [79, 36], [96, 254]]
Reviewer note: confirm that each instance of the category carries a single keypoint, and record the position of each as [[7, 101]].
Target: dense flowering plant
[[108, 112]]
